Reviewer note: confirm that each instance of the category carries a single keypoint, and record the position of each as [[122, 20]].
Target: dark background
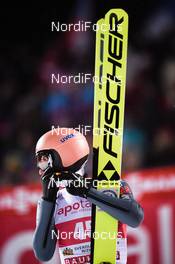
[[30, 104]]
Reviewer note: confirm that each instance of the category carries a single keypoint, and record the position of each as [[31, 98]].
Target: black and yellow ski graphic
[[109, 100]]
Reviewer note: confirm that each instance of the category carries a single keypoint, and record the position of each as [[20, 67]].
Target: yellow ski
[[109, 100]]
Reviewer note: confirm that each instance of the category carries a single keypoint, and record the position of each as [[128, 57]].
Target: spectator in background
[[134, 149]]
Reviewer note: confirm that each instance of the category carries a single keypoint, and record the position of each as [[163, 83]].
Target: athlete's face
[[44, 161]]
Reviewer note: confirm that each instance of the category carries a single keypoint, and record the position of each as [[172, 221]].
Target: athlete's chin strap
[[128, 211]]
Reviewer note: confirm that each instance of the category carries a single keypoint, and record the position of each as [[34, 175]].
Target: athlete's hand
[[49, 185], [79, 185]]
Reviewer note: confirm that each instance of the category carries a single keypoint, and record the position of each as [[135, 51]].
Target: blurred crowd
[[30, 104]]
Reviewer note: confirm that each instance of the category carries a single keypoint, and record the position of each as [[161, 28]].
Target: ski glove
[[79, 185], [49, 185]]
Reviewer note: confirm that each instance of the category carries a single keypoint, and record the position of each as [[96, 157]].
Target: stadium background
[[30, 104]]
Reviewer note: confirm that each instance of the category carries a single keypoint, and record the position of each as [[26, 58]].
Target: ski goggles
[[44, 161]]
